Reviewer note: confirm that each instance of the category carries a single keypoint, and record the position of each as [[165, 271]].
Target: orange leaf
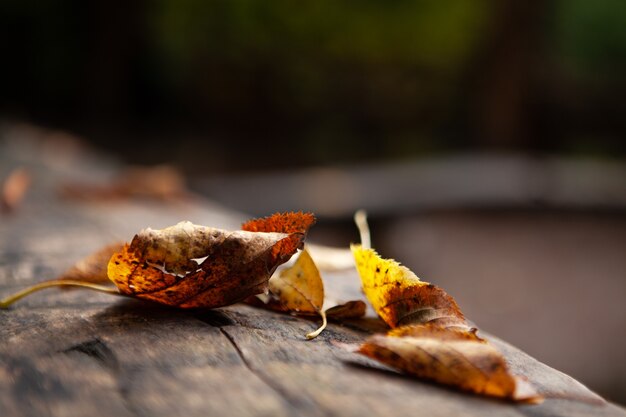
[[162, 265]]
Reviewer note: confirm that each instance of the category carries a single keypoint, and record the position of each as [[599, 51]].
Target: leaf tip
[[288, 222], [526, 392]]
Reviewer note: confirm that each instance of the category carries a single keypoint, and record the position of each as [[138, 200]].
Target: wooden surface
[[80, 353]]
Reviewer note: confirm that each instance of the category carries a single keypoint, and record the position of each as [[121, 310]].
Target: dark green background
[[241, 84]]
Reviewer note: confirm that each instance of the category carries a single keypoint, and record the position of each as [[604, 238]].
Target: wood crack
[[99, 351], [293, 404], [221, 320]]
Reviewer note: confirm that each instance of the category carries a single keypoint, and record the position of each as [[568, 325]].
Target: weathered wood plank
[[65, 353]]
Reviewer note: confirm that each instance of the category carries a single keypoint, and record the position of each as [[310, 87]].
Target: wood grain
[[78, 353]]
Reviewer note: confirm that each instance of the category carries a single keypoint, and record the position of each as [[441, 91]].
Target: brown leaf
[[14, 188], [191, 266], [349, 310], [162, 265], [451, 357], [434, 330]]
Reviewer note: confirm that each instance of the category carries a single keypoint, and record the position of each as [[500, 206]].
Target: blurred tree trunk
[[501, 80]]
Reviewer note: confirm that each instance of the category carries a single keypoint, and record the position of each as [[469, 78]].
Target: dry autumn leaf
[[400, 297], [299, 289], [161, 266], [349, 310], [451, 357], [190, 266], [397, 295], [434, 341]]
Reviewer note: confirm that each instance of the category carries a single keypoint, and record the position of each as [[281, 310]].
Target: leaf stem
[[6, 302], [316, 333], [360, 218]]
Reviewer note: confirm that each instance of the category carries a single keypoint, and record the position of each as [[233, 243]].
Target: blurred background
[[486, 138]]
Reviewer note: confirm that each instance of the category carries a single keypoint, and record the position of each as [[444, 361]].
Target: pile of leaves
[[191, 266]]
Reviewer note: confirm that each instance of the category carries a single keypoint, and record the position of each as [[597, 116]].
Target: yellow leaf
[[434, 341], [399, 296], [299, 288]]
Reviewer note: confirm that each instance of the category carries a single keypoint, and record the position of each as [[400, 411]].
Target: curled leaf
[[299, 289], [188, 265], [191, 266], [400, 297], [451, 357]]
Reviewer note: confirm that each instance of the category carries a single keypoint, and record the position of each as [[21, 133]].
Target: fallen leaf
[[451, 357], [162, 265], [350, 310], [14, 188], [190, 266], [299, 289], [434, 330], [399, 297], [433, 340]]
